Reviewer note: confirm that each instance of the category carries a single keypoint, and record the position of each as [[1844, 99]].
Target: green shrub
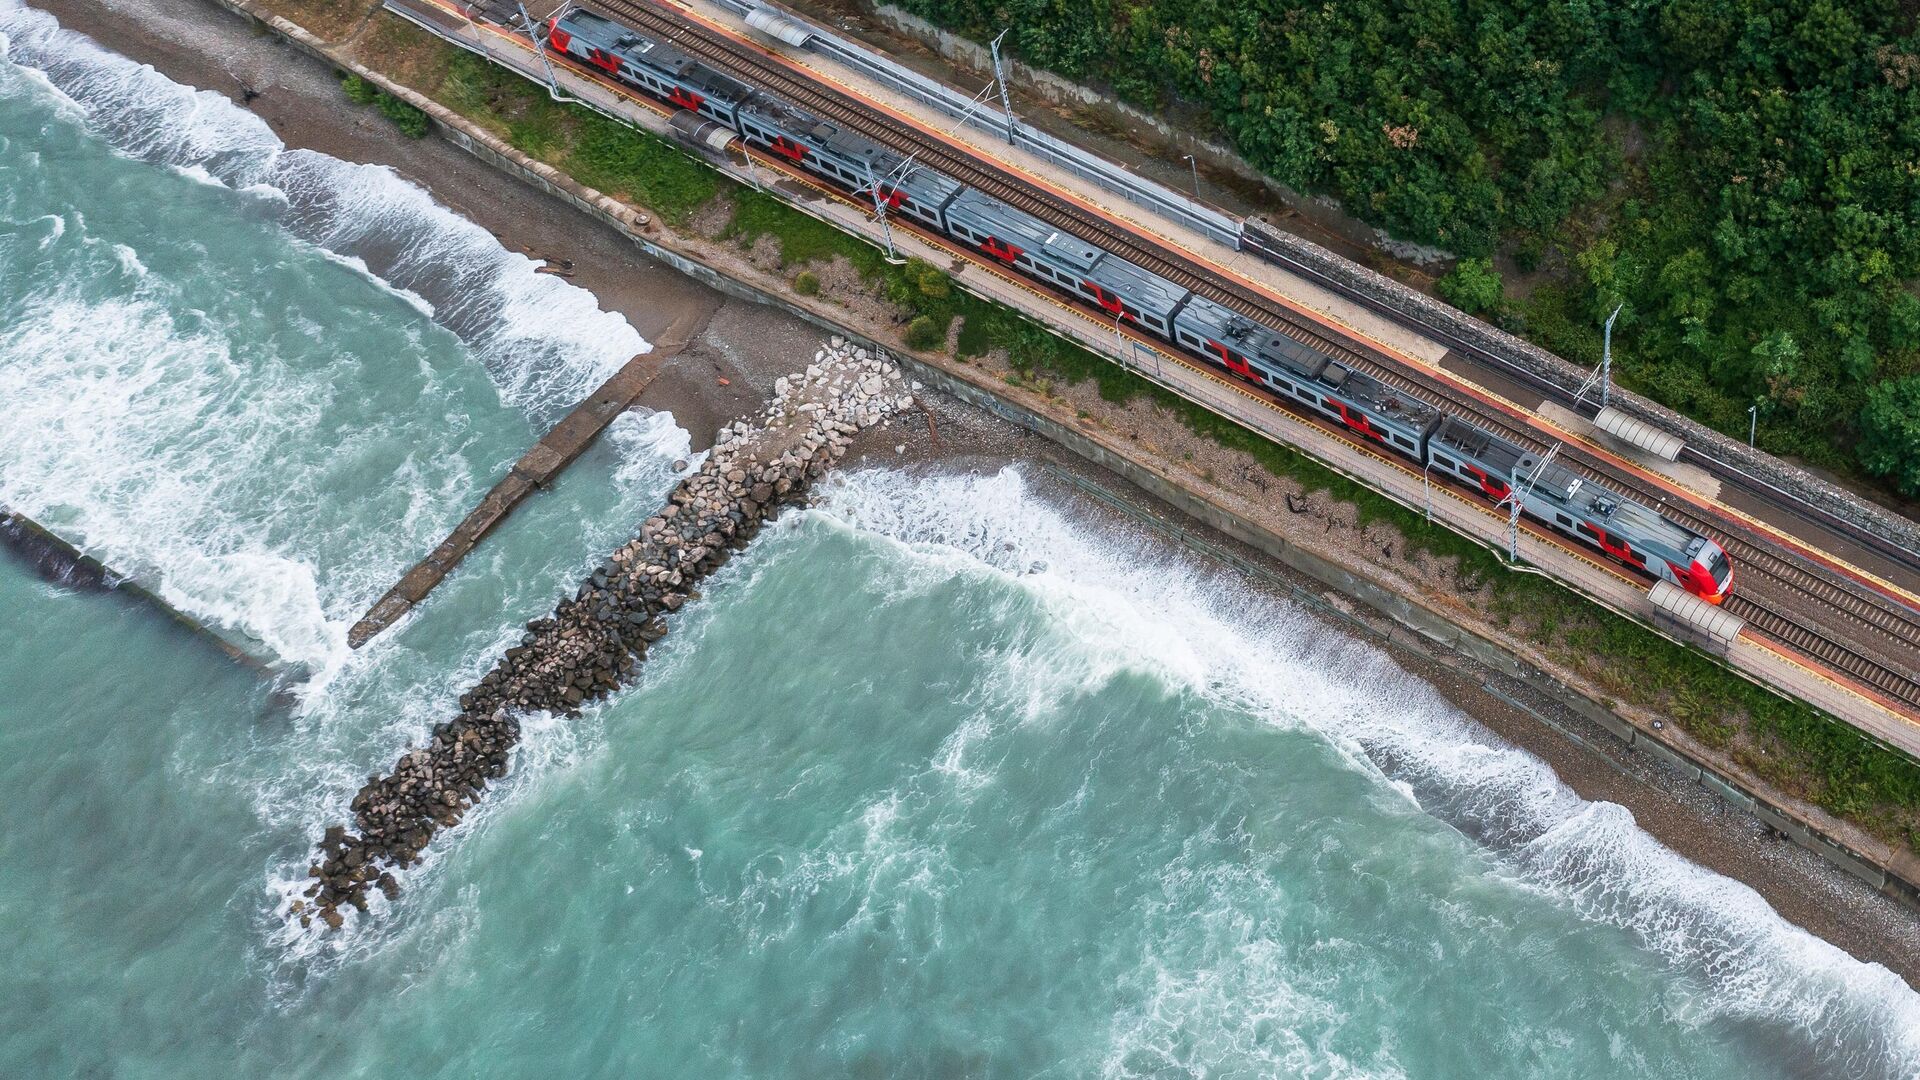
[[925, 333], [359, 91], [1890, 433], [1473, 286], [803, 239], [975, 335], [620, 160], [411, 121], [806, 283]]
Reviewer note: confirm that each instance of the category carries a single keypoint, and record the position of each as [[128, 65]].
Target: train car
[[1256, 354], [1568, 503], [655, 67], [908, 189], [1310, 377], [1065, 262], [1373, 410], [849, 161]]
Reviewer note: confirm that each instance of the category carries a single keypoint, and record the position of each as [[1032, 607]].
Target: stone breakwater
[[594, 641]]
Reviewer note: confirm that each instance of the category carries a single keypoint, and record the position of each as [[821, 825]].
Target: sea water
[[940, 779]]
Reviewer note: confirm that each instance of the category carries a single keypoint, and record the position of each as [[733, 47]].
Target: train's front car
[[1710, 575]]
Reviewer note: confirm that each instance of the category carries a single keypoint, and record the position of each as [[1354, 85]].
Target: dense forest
[[1743, 175]]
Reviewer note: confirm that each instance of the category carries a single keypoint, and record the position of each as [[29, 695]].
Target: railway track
[[1871, 673], [1883, 623], [1877, 623]]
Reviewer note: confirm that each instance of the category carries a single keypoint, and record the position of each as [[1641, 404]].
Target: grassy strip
[[411, 121], [1794, 746], [601, 153]]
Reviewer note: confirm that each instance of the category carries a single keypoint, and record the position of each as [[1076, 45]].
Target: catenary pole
[[1000, 77], [1606, 357]]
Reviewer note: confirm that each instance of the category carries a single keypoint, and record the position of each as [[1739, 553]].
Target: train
[[1437, 441]]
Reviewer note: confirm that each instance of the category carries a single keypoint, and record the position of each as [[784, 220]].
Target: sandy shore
[[718, 338]]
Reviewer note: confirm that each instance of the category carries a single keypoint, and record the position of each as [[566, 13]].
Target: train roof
[[1377, 397], [926, 186], [1594, 502], [616, 37], [1483, 446], [1145, 289], [1025, 231], [1253, 339], [1602, 504], [824, 136]]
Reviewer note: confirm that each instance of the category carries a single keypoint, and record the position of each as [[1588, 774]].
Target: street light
[[1753, 422], [1196, 174]]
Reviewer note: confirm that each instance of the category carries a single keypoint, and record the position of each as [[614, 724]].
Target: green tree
[[1474, 286], [1890, 433], [925, 332]]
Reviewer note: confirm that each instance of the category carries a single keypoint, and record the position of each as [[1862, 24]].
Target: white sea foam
[[337, 745], [546, 342], [90, 428], [1202, 633]]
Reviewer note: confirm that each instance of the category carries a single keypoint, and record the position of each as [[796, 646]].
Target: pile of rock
[[594, 641]]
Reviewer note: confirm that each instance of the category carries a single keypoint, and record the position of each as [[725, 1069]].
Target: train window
[[1445, 462], [1564, 520]]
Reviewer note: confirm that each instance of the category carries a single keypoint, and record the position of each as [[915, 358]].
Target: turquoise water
[[938, 780]]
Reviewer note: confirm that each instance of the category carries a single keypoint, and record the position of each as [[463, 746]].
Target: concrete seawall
[[61, 562]]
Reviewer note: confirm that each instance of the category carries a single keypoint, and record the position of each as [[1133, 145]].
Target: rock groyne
[[594, 641]]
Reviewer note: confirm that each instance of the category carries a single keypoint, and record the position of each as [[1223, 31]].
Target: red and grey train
[[1602, 519]]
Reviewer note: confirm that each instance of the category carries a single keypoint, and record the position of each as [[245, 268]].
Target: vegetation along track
[[1886, 628]]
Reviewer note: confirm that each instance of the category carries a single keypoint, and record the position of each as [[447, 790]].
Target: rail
[[1874, 531]]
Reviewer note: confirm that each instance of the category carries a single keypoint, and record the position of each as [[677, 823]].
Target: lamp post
[[1753, 422], [1196, 174]]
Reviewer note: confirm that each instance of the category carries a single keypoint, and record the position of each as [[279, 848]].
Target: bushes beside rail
[[411, 121]]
